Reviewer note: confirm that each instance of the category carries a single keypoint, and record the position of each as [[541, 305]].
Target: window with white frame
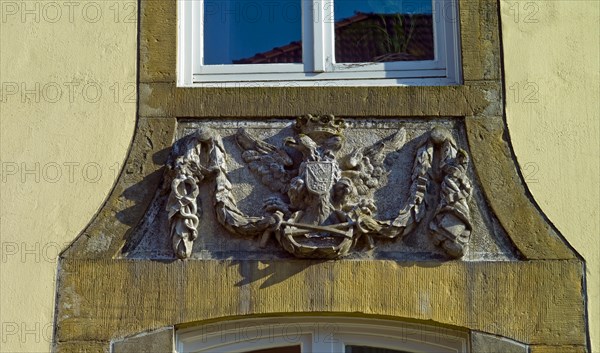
[[320, 335], [312, 42]]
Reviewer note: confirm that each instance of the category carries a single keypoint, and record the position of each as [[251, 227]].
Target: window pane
[[383, 30], [252, 31], [365, 349], [294, 349]]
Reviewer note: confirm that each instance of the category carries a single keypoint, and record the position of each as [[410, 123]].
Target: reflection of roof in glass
[[367, 37]]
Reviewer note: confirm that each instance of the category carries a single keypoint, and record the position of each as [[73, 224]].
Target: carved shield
[[319, 177]]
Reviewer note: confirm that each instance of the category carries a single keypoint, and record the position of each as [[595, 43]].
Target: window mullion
[[323, 35], [308, 41]]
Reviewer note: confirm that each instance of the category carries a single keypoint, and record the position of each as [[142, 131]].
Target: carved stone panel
[[320, 187]]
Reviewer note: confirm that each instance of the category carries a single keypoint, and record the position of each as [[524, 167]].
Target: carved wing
[[272, 165], [365, 166]]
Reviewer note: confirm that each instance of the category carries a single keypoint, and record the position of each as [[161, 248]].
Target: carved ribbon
[[182, 205], [450, 226], [183, 215]]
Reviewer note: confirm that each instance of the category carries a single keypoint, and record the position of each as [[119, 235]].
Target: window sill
[[383, 82]]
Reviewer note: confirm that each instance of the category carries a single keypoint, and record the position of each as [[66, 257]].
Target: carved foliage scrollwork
[[182, 206], [202, 157], [326, 203], [451, 226]]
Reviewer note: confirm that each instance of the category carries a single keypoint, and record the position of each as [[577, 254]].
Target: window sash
[[318, 52]]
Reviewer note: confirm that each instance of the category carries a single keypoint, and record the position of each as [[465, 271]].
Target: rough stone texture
[[156, 99], [132, 194], [158, 40], [536, 302], [531, 233], [82, 347], [474, 98], [558, 349], [480, 40], [160, 341], [488, 241], [484, 343]]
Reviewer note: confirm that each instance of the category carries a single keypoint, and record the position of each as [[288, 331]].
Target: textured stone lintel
[[472, 98], [536, 302], [558, 349], [82, 347]]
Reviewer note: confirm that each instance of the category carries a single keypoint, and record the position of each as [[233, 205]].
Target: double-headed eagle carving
[[324, 205]]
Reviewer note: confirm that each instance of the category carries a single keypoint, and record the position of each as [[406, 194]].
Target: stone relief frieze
[[323, 201]]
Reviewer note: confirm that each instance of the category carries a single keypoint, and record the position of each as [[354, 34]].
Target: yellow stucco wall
[[54, 147], [73, 143], [552, 78]]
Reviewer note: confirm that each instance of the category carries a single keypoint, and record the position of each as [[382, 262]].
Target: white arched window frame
[[318, 67], [320, 335]]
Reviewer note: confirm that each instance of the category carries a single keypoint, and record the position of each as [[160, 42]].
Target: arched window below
[[320, 335]]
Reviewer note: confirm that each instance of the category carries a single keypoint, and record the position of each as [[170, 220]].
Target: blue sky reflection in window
[[270, 31]]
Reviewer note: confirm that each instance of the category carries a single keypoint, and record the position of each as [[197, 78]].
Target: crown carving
[[320, 125]]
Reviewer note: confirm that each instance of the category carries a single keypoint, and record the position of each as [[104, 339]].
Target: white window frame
[[319, 335], [318, 67]]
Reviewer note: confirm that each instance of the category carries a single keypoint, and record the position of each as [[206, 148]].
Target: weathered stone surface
[[156, 100], [537, 302], [132, 193], [82, 347], [479, 25], [158, 40], [160, 341], [487, 241], [493, 162], [484, 343], [558, 349], [473, 98]]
